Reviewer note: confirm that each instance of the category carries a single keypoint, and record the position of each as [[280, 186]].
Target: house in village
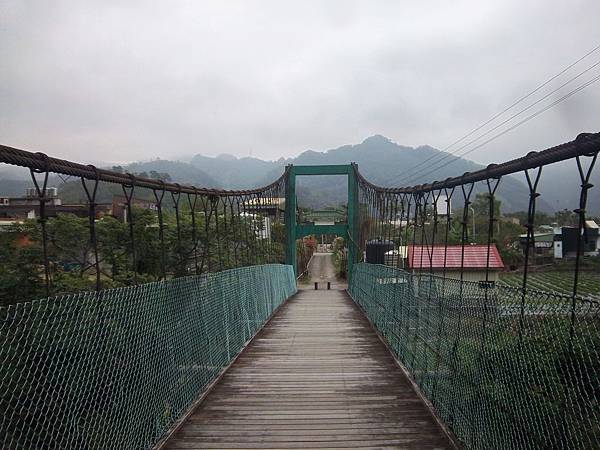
[[561, 242], [263, 212], [542, 244], [565, 241], [447, 261], [28, 206], [271, 207], [118, 207]]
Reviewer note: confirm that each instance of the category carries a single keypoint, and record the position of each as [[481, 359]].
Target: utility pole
[[473, 215]]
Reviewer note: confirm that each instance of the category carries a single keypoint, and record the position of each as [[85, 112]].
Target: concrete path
[[321, 267], [322, 270]]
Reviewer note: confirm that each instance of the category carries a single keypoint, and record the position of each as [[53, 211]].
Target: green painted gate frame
[[348, 230]]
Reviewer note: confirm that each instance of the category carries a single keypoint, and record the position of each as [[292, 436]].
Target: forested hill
[[380, 160]]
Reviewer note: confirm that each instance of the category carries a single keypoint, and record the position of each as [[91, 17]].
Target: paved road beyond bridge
[[321, 270], [321, 267]]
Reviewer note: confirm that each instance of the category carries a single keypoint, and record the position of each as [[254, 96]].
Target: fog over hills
[[238, 173], [380, 160], [181, 172]]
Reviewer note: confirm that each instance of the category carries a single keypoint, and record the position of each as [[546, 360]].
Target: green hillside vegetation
[[380, 160], [230, 243], [238, 173]]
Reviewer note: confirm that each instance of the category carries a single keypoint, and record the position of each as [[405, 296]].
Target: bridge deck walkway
[[316, 376]]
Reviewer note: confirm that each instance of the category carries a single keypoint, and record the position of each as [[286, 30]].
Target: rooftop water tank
[[376, 250]]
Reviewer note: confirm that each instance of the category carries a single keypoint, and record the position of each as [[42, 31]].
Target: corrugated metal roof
[[475, 257]]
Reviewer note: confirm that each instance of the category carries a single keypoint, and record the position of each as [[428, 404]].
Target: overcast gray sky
[[119, 81]]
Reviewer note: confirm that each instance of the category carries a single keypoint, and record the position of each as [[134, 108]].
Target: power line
[[512, 127], [447, 155], [505, 109], [527, 119]]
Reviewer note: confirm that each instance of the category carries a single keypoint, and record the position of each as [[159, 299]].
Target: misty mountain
[[15, 180], [560, 185], [386, 163], [13, 188], [238, 173], [380, 160], [180, 172]]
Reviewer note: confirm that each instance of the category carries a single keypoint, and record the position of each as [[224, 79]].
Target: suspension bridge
[[187, 327]]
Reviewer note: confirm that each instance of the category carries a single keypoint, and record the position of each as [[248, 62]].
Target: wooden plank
[[317, 376], [311, 428], [405, 444]]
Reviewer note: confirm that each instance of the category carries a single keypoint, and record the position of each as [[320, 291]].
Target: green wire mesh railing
[[116, 369], [500, 375]]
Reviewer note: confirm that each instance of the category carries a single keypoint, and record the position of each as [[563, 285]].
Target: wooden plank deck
[[316, 376]]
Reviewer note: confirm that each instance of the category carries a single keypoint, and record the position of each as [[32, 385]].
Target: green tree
[[340, 257], [69, 238], [278, 233], [481, 206], [112, 242], [21, 272], [223, 240], [566, 218]]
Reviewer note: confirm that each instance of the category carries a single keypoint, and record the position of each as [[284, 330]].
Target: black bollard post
[[316, 285], [329, 285]]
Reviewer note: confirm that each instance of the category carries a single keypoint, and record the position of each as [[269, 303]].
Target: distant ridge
[[381, 160]]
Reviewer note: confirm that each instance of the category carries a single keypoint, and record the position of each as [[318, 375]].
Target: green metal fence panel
[[502, 370], [115, 370]]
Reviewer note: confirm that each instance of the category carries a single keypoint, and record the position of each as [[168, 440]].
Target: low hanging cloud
[[106, 81]]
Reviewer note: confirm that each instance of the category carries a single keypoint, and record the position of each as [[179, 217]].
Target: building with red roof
[[448, 261]]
